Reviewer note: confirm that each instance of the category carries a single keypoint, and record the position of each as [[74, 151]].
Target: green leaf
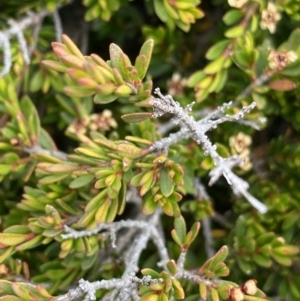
[[254, 23], [166, 184], [125, 67], [171, 208], [224, 290], [221, 270], [286, 250], [202, 291], [214, 66], [175, 197], [56, 274], [116, 185], [52, 178], [149, 206], [172, 267], [293, 40], [259, 99], [282, 259], [104, 99], [136, 117], [71, 46], [156, 286], [110, 179], [10, 298], [294, 288], [71, 60], [234, 32], [145, 52], [219, 81], [88, 261], [262, 260], [129, 151], [219, 257], [18, 229], [106, 89], [13, 239], [30, 243], [150, 296], [148, 184], [122, 197], [96, 201], [140, 65], [160, 10], [3, 256], [150, 272], [292, 69], [112, 210], [90, 153], [81, 181], [232, 16], [192, 234], [36, 81], [115, 53], [217, 49], [214, 294], [79, 91], [136, 180], [46, 141], [178, 290], [123, 90], [180, 228], [265, 238], [100, 216], [4, 169], [139, 140], [62, 168], [22, 289], [290, 219], [5, 287], [118, 77], [56, 66]]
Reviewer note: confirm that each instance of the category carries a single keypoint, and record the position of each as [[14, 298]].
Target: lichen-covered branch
[[16, 29], [197, 131]]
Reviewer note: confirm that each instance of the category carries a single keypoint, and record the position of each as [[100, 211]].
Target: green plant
[[112, 209]]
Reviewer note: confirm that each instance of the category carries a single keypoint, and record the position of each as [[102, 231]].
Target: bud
[[249, 287], [236, 294]]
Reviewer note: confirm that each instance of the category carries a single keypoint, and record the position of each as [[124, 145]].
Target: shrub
[[112, 163]]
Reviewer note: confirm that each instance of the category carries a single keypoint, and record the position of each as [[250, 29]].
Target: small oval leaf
[[166, 184], [136, 117], [81, 181], [282, 85]]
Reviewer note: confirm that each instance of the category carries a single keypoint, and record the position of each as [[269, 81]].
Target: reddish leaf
[[282, 85]]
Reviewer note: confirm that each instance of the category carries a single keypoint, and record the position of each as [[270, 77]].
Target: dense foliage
[[149, 150]]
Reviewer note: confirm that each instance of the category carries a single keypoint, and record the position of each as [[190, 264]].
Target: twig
[[4, 42], [149, 231], [20, 36], [16, 28], [126, 287], [88, 289], [57, 25], [197, 131], [35, 35]]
